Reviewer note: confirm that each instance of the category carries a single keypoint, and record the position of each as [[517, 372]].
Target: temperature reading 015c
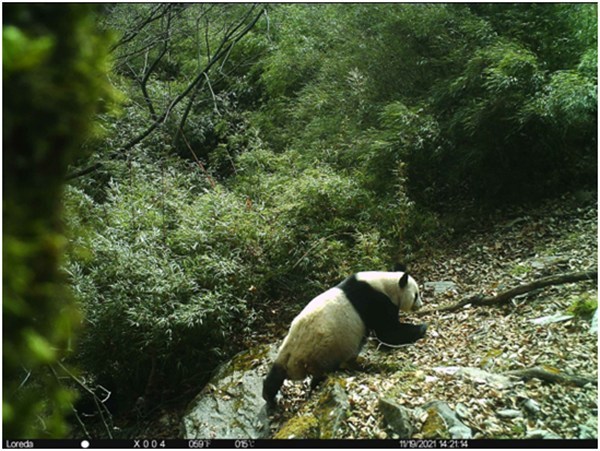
[[244, 444]]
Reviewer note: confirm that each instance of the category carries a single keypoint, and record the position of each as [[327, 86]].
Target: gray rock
[[326, 419], [477, 375], [544, 320], [231, 404], [440, 287], [531, 406], [332, 410], [398, 418], [541, 433], [456, 428], [545, 261], [509, 413]]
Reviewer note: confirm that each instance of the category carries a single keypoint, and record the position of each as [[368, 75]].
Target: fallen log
[[551, 376], [505, 296]]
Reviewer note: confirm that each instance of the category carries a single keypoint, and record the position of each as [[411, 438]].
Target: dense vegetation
[[262, 153]]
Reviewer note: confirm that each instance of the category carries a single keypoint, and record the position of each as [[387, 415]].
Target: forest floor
[[488, 257], [556, 237]]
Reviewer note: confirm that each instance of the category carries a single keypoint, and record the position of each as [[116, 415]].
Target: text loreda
[[18, 444]]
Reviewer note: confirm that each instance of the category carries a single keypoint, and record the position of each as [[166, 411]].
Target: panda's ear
[[404, 280], [400, 267]]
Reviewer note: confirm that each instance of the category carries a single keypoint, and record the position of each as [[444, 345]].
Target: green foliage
[[522, 133], [179, 281], [480, 91], [584, 305], [568, 101], [22, 52], [557, 33], [54, 67], [151, 280], [407, 59]]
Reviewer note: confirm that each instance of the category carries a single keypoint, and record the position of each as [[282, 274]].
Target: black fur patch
[[374, 307], [379, 313], [401, 333], [273, 382]]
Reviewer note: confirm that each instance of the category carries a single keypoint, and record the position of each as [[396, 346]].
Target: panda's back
[[327, 333]]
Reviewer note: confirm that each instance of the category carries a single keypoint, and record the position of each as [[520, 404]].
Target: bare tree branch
[[226, 43], [156, 13], [148, 71], [198, 162], [233, 35], [84, 171], [506, 296], [552, 376]]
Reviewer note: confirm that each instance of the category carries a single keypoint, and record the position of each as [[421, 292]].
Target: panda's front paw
[[422, 330]]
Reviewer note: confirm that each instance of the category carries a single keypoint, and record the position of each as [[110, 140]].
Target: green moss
[[435, 426], [244, 361], [518, 430], [298, 428], [54, 78], [327, 406], [584, 304], [407, 379], [520, 269]]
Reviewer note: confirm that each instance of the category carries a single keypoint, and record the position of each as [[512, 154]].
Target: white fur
[[325, 334], [329, 331]]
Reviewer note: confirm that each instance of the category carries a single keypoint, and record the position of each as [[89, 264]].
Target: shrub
[[161, 280], [508, 130]]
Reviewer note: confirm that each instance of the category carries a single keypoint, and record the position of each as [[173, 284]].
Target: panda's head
[[409, 298]]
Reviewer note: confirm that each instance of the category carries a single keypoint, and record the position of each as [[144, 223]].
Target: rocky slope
[[464, 358]]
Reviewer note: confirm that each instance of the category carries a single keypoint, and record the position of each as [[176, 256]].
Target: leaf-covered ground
[[557, 237]]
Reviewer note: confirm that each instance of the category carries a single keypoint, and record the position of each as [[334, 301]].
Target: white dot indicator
[[85, 444]]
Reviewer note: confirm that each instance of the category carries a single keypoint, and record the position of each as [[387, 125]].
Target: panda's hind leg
[[273, 383]]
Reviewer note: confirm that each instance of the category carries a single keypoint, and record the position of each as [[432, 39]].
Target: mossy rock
[[323, 417], [231, 405], [332, 409], [398, 418], [302, 427], [244, 361]]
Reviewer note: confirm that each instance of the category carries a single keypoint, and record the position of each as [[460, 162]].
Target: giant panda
[[331, 329]]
